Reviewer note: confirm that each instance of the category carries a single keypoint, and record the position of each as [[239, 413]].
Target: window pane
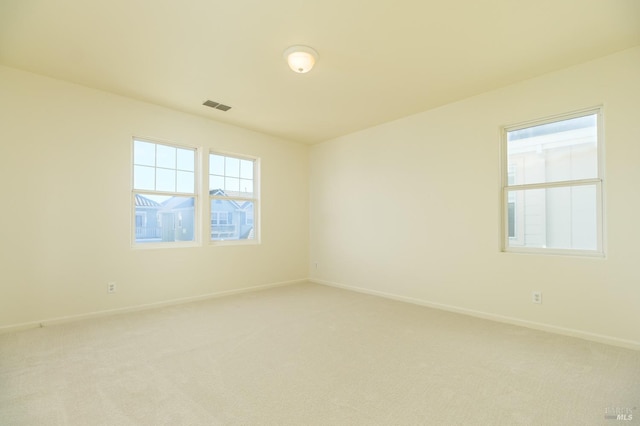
[[165, 156], [144, 177], [231, 186], [231, 220], [186, 160], [216, 164], [512, 219], [165, 180], [557, 218], [246, 169], [163, 169], [246, 188], [185, 182], [232, 167], [164, 218], [554, 152], [144, 153], [215, 183]]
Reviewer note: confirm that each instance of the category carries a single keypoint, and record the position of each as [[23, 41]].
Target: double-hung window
[[233, 197], [164, 195], [552, 185]]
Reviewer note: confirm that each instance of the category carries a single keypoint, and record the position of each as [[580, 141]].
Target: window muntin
[[164, 194], [233, 197], [553, 185]]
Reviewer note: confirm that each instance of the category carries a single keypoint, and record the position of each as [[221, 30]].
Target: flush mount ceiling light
[[301, 58]]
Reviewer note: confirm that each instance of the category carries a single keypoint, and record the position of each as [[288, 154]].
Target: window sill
[[556, 252], [167, 245], [253, 242]]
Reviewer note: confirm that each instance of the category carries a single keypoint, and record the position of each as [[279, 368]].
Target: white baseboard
[[97, 314], [614, 341]]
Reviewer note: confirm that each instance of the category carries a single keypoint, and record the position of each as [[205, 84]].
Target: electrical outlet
[[536, 297], [315, 264], [111, 287]]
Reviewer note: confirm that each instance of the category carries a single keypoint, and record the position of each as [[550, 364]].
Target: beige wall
[[65, 154], [411, 208]]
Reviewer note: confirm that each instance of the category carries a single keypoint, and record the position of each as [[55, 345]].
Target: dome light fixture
[[301, 58]]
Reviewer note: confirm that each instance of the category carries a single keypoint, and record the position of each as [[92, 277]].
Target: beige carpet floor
[[309, 355]]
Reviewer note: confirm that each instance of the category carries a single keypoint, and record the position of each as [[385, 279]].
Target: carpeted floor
[[309, 355]]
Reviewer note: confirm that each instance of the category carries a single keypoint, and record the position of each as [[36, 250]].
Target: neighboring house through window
[[552, 190], [233, 197], [164, 193]]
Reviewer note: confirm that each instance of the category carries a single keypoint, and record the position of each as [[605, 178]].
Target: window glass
[[553, 185], [186, 160], [559, 218], [232, 167], [216, 164], [164, 195], [229, 220], [144, 153], [165, 156], [233, 198], [554, 152], [165, 180], [144, 177]]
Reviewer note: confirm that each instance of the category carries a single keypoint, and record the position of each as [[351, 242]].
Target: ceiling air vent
[[217, 105]]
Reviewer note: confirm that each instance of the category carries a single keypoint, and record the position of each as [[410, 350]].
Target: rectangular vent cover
[[217, 105]]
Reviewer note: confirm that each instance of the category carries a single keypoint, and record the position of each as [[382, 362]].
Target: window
[[164, 193], [221, 217], [233, 197], [552, 190]]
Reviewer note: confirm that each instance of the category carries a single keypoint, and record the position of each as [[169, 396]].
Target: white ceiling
[[379, 59]]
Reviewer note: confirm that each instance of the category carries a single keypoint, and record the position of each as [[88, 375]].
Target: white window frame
[[196, 200], [598, 182], [240, 199], [511, 172]]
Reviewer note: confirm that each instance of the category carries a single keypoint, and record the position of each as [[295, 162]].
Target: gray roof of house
[[145, 202]]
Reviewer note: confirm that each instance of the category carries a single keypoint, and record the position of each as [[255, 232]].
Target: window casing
[[164, 195], [552, 192], [233, 198]]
